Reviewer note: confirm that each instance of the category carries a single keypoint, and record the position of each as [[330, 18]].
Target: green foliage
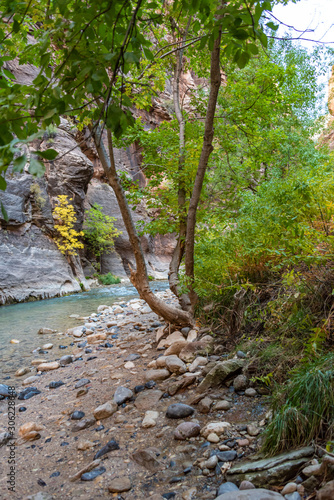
[[304, 410], [108, 279], [99, 231]]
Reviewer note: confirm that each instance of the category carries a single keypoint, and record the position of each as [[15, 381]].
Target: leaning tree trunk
[[138, 277], [207, 148]]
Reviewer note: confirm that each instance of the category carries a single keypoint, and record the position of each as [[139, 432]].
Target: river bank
[[137, 411]]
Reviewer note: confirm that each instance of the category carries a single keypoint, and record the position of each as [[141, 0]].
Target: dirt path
[[165, 466]]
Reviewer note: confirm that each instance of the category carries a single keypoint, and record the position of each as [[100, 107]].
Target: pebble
[[14, 341], [77, 415], [289, 488], [120, 484], [186, 430], [293, 496], [150, 384], [129, 365], [150, 419], [210, 463], [47, 346], [246, 485], [81, 383], [110, 446], [22, 371], [227, 488], [156, 375], [252, 430], [222, 405], [227, 456], [122, 394], [46, 367], [83, 424], [132, 357], [28, 393], [204, 405], [175, 365], [105, 410], [251, 393], [66, 360], [84, 445], [139, 388], [30, 431], [179, 410], [30, 380], [56, 384], [241, 355], [213, 438], [240, 383], [89, 476]]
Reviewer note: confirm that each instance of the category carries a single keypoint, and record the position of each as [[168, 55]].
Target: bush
[[304, 411], [108, 279]]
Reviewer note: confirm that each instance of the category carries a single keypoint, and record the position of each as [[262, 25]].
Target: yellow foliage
[[65, 218]]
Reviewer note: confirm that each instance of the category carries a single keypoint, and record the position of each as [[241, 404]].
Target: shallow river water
[[22, 322]]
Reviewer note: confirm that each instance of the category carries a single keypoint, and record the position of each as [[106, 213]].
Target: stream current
[[22, 322]]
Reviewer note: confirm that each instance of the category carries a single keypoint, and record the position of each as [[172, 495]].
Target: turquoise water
[[22, 322]]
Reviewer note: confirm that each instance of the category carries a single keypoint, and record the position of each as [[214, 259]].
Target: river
[[22, 322]]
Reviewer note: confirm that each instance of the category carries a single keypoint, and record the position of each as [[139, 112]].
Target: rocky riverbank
[[139, 410]]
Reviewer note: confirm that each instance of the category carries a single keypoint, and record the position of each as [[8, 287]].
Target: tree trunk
[[139, 277], [207, 148], [182, 214]]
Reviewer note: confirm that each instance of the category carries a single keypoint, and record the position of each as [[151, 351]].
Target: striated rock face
[[31, 265]]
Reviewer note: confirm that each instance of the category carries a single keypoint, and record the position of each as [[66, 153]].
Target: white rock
[[192, 336], [102, 308], [117, 309], [289, 488], [129, 365], [215, 427], [47, 346], [213, 438], [150, 419]]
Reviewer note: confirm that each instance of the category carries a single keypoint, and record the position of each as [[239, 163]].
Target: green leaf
[[19, 163], [272, 26], [3, 183], [49, 154], [243, 59], [36, 168], [252, 48], [4, 213]]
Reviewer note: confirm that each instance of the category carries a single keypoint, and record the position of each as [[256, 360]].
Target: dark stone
[[150, 384], [91, 357], [185, 330], [82, 344], [99, 428], [88, 350], [179, 410], [64, 443], [115, 336], [139, 388], [41, 482], [22, 408], [176, 479], [55, 474], [187, 470], [89, 476], [55, 384], [28, 393], [66, 360], [172, 494], [172, 463], [310, 484], [110, 446], [227, 456], [107, 344], [77, 415], [81, 383]]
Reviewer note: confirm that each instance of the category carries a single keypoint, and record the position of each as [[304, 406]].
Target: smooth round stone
[[22, 408], [77, 415], [132, 357], [227, 456], [246, 485], [251, 393], [240, 383], [213, 438], [289, 488], [227, 488], [22, 371], [179, 410], [119, 484], [222, 406], [241, 355], [47, 346], [81, 383], [186, 430], [14, 341]]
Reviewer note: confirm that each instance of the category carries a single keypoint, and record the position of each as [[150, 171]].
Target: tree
[[67, 237], [84, 70], [99, 231]]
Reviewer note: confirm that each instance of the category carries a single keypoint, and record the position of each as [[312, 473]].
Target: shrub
[[99, 231], [65, 218], [108, 279], [304, 411]]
